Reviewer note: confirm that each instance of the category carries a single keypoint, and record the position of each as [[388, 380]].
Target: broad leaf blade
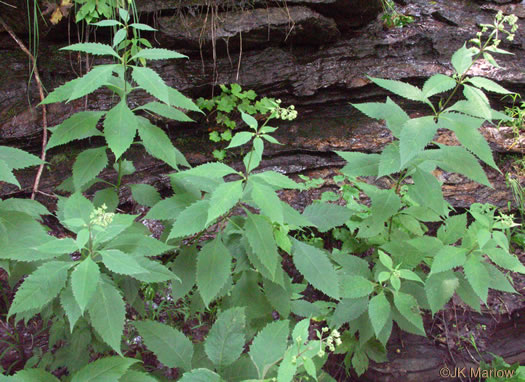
[[84, 282], [151, 82], [157, 54], [120, 128], [314, 265], [171, 347], [107, 313], [259, 233], [88, 165], [225, 340], [79, 126], [104, 369], [213, 269], [326, 216], [268, 345], [158, 144], [40, 287]]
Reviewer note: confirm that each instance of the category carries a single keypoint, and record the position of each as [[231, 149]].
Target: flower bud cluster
[[100, 217], [288, 113]]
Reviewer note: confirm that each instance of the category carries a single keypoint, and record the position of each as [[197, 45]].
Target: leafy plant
[[391, 17], [228, 105], [121, 123], [392, 231], [517, 114]]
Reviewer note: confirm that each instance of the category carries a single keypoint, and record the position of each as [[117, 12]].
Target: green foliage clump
[[223, 248], [227, 106]]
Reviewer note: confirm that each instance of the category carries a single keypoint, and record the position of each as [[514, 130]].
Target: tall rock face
[[315, 54]]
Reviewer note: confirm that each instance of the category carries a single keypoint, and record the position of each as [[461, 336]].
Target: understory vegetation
[[233, 256]]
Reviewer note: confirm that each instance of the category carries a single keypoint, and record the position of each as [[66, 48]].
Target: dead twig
[[44, 110]]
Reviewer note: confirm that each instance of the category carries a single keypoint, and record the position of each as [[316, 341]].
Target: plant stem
[[44, 109]]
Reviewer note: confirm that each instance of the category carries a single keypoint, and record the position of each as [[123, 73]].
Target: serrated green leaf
[[120, 128], [268, 345], [400, 88], [40, 287], [448, 258], [467, 294], [201, 375], [32, 375], [276, 180], [17, 159], [225, 340], [457, 159], [259, 233], [316, 268], [287, 369], [166, 111], [70, 306], [240, 139], [21, 236], [178, 99], [416, 134], [155, 272], [88, 164], [438, 83], [249, 120], [79, 126], [223, 199], [118, 224], [84, 282], [477, 276], [477, 100], [498, 280], [409, 309], [104, 369], [389, 111], [6, 175], [137, 376], [353, 286], [390, 161], [440, 288], [191, 221], [119, 36], [98, 76], [427, 191], [107, 313], [170, 208], [326, 216], [379, 312], [107, 23], [92, 48], [158, 144], [385, 203], [466, 130], [145, 194], [213, 269], [107, 196], [151, 82], [360, 164], [171, 347], [77, 206], [120, 262], [157, 53], [462, 59], [489, 85], [505, 259], [267, 201]]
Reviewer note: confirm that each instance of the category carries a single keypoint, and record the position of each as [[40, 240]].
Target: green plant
[[391, 17], [233, 242], [410, 270], [119, 135], [517, 114], [228, 105]]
